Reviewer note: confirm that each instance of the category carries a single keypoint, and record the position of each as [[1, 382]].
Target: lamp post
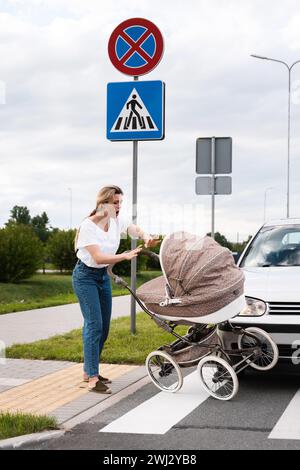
[[289, 68]]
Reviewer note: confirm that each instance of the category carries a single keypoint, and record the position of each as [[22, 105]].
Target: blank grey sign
[[204, 185], [203, 156], [223, 185], [223, 155]]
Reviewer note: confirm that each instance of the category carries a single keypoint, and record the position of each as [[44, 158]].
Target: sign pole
[[133, 240], [128, 117], [213, 184], [213, 158]]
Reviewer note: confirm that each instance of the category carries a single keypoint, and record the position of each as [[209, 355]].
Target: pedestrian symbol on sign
[[132, 104], [134, 116]]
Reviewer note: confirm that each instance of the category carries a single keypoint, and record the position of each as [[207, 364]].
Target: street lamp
[[265, 202], [289, 67]]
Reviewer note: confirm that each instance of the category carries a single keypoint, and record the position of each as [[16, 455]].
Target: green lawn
[[120, 348], [12, 425], [49, 290]]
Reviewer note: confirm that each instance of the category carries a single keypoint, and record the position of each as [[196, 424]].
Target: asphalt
[[242, 423], [246, 422]]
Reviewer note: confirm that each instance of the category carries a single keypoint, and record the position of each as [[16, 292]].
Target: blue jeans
[[93, 289]]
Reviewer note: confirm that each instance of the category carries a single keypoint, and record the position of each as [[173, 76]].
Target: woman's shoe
[[99, 387], [103, 379]]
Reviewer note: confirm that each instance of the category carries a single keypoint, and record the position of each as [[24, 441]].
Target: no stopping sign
[[136, 46]]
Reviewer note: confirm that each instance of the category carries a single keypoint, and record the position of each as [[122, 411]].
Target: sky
[[53, 78]]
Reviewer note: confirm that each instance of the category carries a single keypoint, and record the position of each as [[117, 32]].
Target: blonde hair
[[104, 196]]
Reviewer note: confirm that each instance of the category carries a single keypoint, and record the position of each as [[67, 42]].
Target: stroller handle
[[117, 279]]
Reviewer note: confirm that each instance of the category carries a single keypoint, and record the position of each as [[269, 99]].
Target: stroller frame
[[255, 348]]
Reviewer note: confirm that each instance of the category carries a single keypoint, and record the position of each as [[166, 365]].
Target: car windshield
[[274, 246]]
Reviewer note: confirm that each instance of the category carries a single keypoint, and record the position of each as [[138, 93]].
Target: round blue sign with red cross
[[136, 46]]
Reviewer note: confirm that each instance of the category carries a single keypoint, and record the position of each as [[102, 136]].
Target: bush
[[60, 249], [123, 268], [21, 253], [152, 264]]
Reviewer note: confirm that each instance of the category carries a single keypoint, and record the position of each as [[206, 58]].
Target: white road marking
[[288, 426], [161, 412]]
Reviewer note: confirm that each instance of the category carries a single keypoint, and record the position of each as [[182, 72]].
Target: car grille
[[281, 308], [285, 350]]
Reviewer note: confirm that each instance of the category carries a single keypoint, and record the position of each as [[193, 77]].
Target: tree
[[19, 215], [39, 224], [21, 252], [222, 240], [60, 249], [239, 247]]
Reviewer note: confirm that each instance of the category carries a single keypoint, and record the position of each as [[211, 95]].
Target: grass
[[120, 348], [50, 290], [12, 425]]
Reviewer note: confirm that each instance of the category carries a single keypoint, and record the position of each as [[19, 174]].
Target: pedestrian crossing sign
[[135, 110]]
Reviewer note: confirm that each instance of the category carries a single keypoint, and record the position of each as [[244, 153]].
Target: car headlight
[[255, 308]]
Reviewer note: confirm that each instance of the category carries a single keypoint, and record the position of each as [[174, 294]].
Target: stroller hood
[[199, 278]]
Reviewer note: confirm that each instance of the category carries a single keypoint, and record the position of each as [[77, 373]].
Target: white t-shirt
[[92, 234]]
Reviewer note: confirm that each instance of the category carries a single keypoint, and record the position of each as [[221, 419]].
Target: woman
[[96, 243]]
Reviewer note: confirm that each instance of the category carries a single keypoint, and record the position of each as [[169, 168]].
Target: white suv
[[271, 263]]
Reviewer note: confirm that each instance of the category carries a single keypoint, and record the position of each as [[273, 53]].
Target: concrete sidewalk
[[42, 323], [56, 388]]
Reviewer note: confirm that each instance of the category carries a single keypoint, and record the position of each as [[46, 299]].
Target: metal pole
[[213, 169], [289, 122], [133, 240], [289, 134]]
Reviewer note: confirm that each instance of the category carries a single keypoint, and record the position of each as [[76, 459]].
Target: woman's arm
[[136, 231], [102, 258]]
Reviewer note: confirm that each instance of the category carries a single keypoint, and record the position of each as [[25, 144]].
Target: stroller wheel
[[253, 337], [164, 371], [218, 378]]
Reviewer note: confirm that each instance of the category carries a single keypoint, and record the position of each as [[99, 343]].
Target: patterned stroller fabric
[[199, 278]]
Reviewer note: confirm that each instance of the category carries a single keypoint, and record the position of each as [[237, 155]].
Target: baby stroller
[[201, 287]]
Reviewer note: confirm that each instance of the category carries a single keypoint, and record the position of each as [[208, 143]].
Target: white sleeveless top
[[92, 234]]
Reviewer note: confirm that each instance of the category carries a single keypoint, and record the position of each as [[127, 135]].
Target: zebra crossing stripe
[[122, 123], [118, 125], [150, 122], [288, 426], [161, 412]]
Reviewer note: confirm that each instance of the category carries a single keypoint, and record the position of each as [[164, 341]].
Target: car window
[[274, 246], [291, 237]]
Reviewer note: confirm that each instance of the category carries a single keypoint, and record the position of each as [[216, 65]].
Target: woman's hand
[[132, 253], [149, 241]]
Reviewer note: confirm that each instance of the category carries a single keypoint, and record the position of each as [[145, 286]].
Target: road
[[263, 415]]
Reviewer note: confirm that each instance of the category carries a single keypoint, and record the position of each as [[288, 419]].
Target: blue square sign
[[136, 110]]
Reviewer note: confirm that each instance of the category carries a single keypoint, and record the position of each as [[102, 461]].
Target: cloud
[[55, 67]]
